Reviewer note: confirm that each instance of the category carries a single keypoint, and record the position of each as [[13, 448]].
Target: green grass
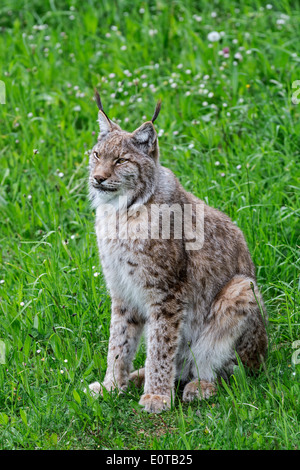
[[237, 149]]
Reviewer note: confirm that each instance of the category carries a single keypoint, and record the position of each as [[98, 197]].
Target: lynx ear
[[145, 137], [106, 125]]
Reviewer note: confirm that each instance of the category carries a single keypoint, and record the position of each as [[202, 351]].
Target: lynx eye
[[120, 161], [96, 155]]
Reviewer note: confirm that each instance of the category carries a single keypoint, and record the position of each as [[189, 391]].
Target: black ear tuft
[[98, 100], [99, 103], [156, 112]]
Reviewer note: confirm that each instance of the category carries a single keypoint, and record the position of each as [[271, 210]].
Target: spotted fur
[[197, 308]]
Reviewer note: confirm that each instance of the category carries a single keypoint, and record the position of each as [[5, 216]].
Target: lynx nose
[[100, 179]]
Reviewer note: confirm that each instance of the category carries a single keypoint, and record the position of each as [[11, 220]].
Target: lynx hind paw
[[155, 403], [95, 389], [138, 377], [198, 389]]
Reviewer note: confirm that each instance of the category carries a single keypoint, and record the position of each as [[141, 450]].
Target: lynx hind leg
[[198, 389], [234, 325], [238, 319], [138, 377]]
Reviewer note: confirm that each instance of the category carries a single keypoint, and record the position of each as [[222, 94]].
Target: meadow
[[229, 129]]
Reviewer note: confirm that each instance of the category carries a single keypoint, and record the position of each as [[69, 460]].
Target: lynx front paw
[[198, 389], [155, 403]]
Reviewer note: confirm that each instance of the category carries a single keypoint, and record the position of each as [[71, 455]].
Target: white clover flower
[[206, 77], [96, 274], [191, 145], [238, 167], [210, 94], [123, 48], [114, 28], [217, 163], [213, 14], [29, 115], [2, 281], [214, 36], [205, 103], [22, 304], [280, 21], [187, 93], [197, 18], [152, 32], [269, 6], [179, 66], [238, 56]]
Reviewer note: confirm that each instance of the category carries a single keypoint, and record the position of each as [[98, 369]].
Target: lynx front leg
[[125, 332], [162, 343]]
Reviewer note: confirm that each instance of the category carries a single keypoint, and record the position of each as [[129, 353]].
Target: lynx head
[[123, 163]]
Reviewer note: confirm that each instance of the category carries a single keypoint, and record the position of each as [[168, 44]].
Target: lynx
[[200, 309]]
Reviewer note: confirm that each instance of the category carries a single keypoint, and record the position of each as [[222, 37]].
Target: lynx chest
[[122, 262]]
